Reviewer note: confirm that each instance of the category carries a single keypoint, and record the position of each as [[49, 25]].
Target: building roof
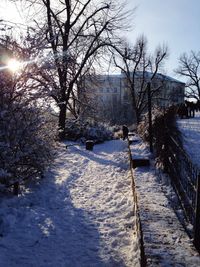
[[148, 75]]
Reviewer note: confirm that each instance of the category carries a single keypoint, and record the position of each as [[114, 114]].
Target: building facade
[[110, 95]]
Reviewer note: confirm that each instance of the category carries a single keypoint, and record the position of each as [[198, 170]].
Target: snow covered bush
[[84, 130], [163, 126], [143, 126], [27, 137]]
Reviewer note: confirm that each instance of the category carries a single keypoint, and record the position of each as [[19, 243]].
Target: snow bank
[[190, 129]]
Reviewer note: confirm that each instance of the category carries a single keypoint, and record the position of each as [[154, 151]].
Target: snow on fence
[[138, 225], [185, 177]]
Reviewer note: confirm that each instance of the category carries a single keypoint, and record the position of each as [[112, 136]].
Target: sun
[[14, 65]]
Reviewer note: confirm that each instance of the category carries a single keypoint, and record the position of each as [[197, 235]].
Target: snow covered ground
[[165, 241], [79, 215], [190, 129]]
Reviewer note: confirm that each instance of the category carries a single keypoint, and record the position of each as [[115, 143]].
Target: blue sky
[[172, 22]]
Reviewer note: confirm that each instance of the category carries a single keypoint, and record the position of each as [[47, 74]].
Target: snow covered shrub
[[84, 130], [163, 126], [26, 134], [143, 127], [26, 139]]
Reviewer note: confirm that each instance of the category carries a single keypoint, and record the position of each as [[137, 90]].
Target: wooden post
[[89, 144], [16, 188], [197, 217], [150, 117]]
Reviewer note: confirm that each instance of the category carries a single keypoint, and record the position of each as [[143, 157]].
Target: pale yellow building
[[110, 95]]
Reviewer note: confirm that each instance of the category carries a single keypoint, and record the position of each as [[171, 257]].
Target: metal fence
[[185, 177]]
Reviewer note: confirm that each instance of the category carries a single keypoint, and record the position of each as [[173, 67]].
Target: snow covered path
[[79, 215], [166, 243]]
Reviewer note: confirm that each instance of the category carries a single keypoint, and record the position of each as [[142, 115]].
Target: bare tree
[[76, 31], [189, 68], [139, 67]]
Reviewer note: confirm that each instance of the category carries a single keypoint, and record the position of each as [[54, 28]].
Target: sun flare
[[14, 65]]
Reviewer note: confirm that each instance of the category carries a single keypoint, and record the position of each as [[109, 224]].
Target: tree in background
[[139, 68], [189, 68]]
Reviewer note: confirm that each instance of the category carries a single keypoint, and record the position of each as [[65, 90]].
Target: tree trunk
[[62, 119], [135, 109]]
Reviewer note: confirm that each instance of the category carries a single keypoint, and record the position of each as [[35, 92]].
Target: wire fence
[[185, 177]]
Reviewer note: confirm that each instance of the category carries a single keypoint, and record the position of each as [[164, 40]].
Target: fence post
[[165, 151], [150, 117], [16, 188], [197, 217]]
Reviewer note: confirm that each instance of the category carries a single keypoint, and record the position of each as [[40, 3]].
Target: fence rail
[[138, 226], [185, 177]]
